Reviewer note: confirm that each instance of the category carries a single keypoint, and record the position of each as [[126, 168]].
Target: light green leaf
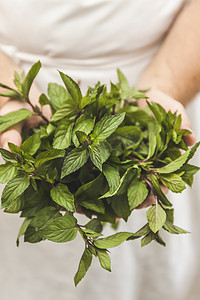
[[95, 156], [189, 171], [27, 82], [123, 82], [61, 195], [32, 144], [84, 265], [173, 182], [156, 185], [112, 240], [62, 137], [154, 130], [7, 172], [72, 88], [137, 193], [66, 110], [48, 155], [112, 176], [156, 217], [85, 124], [104, 259], [60, 230], [13, 118], [106, 126], [74, 161], [12, 94], [173, 228], [147, 239], [14, 188], [58, 95]]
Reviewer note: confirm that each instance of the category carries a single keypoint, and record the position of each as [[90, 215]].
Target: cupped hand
[[13, 134]]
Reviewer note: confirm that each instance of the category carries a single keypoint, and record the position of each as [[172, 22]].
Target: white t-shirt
[[89, 40]]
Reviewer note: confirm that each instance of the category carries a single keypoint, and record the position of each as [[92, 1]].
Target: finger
[[12, 135]]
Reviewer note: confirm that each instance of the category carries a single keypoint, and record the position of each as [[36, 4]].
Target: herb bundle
[[101, 154]]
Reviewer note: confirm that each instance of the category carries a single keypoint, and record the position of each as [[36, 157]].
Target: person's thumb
[[12, 135]]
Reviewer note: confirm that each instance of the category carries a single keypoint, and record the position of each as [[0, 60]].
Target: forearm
[[175, 70]]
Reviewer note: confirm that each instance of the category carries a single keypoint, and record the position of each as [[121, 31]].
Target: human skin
[[173, 75]]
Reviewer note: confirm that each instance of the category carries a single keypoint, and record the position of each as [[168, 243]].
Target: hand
[[167, 103], [13, 134]]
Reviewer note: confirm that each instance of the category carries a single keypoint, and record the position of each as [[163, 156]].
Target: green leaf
[[176, 164], [104, 259], [44, 217], [7, 172], [48, 155], [173, 182], [14, 188], [66, 110], [156, 217], [156, 185], [13, 118], [32, 144], [112, 240], [112, 176], [105, 150], [62, 137], [74, 161], [94, 225], [120, 206], [8, 156], [84, 265], [141, 232], [173, 228], [147, 239], [154, 130], [27, 82], [123, 82], [61, 195], [60, 230], [189, 171], [32, 236], [23, 229], [131, 136], [17, 81], [12, 94], [85, 124], [137, 193], [106, 126], [58, 95], [157, 110], [95, 156], [72, 88]]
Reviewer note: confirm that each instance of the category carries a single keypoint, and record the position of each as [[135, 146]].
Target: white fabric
[[89, 40]]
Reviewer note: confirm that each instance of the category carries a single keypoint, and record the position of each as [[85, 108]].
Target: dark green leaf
[[95, 156], [94, 225], [7, 172], [112, 176], [22, 230], [48, 155]]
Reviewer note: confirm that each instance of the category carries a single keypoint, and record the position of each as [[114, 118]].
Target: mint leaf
[[156, 217], [173, 228], [137, 193], [95, 156], [7, 172], [189, 171], [154, 130], [60, 230], [66, 110], [84, 265], [32, 144], [104, 259], [147, 239], [120, 206], [13, 118], [58, 95], [72, 88], [123, 82], [74, 161], [14, 188], [61, 195], [8, 156], [105, 127], [131, 136], [112, 240], [48, 155], [173, 182], [62, 137], [27, 82], [94, 225], [112, 176], [23, 229], [85, 124]]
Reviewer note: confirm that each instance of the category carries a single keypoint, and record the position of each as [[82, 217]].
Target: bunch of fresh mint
[[100, 154]]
